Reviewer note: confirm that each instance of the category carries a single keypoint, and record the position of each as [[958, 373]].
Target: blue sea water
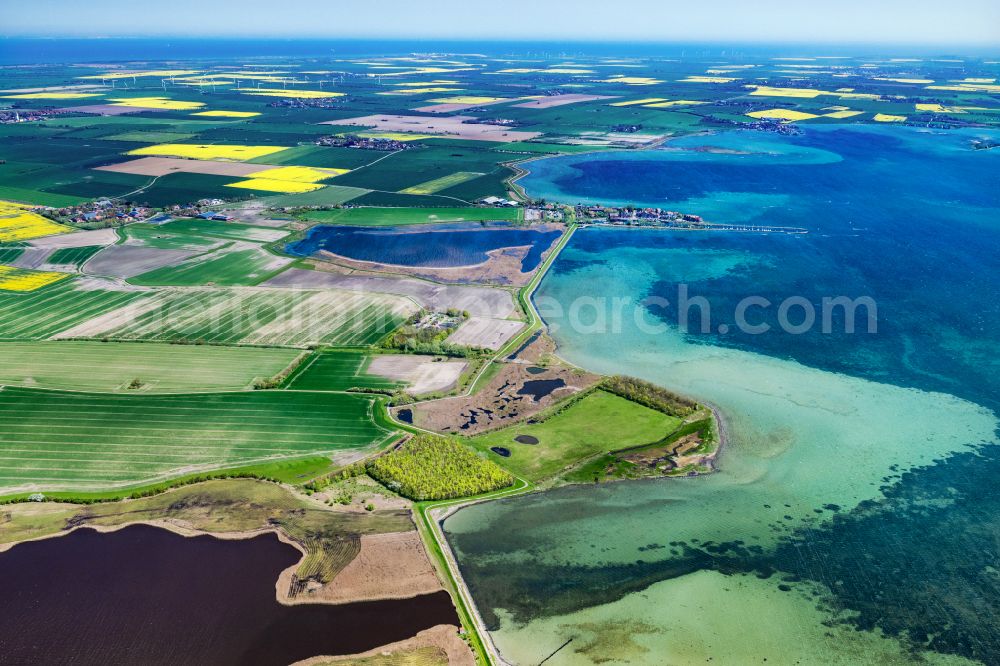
[[908, 218], [439, 245], [853, 516]]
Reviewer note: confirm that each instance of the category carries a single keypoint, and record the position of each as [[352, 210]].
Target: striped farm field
[[74, 255], [443, 183], [338, 370], [40, 314], [114, 366], [62, 440], [249, 316]]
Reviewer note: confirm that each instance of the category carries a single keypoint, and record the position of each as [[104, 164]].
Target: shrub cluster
[[431, 467], [147, 491], [348, 472], [649, 395]]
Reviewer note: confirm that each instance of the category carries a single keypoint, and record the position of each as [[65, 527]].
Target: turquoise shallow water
[[846, 452]]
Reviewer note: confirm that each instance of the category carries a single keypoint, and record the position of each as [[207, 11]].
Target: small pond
[[539, 388]]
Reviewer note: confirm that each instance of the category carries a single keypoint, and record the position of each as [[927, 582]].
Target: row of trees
[[432, 467], [649, 395]]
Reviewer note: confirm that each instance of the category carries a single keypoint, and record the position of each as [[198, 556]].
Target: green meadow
[[384, 216], [40, 314], [113, 367], [338, 370], [63, 440], [597, 423]]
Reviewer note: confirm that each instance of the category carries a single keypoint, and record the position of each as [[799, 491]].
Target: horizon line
[[649, 41]]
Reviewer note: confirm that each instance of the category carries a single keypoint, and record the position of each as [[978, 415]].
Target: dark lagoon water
[[144, 595], [854, 516], [437, 246]]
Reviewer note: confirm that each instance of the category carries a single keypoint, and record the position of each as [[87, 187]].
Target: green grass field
[[331, 195], [147, 136], [276, 317], [55, 439], [42, 313], [377, 217], [111, 366], [338, 370], [226, 267], [10, 254], [442, 183], [219, 229], [597, 423], [74, 255]]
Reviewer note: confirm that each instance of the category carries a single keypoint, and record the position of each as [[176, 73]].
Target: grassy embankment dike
[[427, 522]]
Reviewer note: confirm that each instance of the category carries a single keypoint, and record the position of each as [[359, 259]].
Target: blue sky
[[952, 22]]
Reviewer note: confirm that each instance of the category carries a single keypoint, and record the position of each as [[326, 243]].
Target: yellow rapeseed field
[[271, 185], [886, 118], [938, 108], [300, 174], [419, 91], [17, 223], [227, 114], [207, 152], [467, 99], [854, 95], [895, 80], [266, 77], [551, 70], [423, 70], [297, 94], [782, 114], [288, 180], [969, 88], [809, 93], [23, 279], [768, 91], [843, 113], [666, 104], [52, 95], [632, 80], [708, 79], [156, 103], [163, 73], [636, 102], [421, 84]]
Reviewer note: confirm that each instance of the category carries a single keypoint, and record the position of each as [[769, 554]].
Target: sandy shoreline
[[443, 636]]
